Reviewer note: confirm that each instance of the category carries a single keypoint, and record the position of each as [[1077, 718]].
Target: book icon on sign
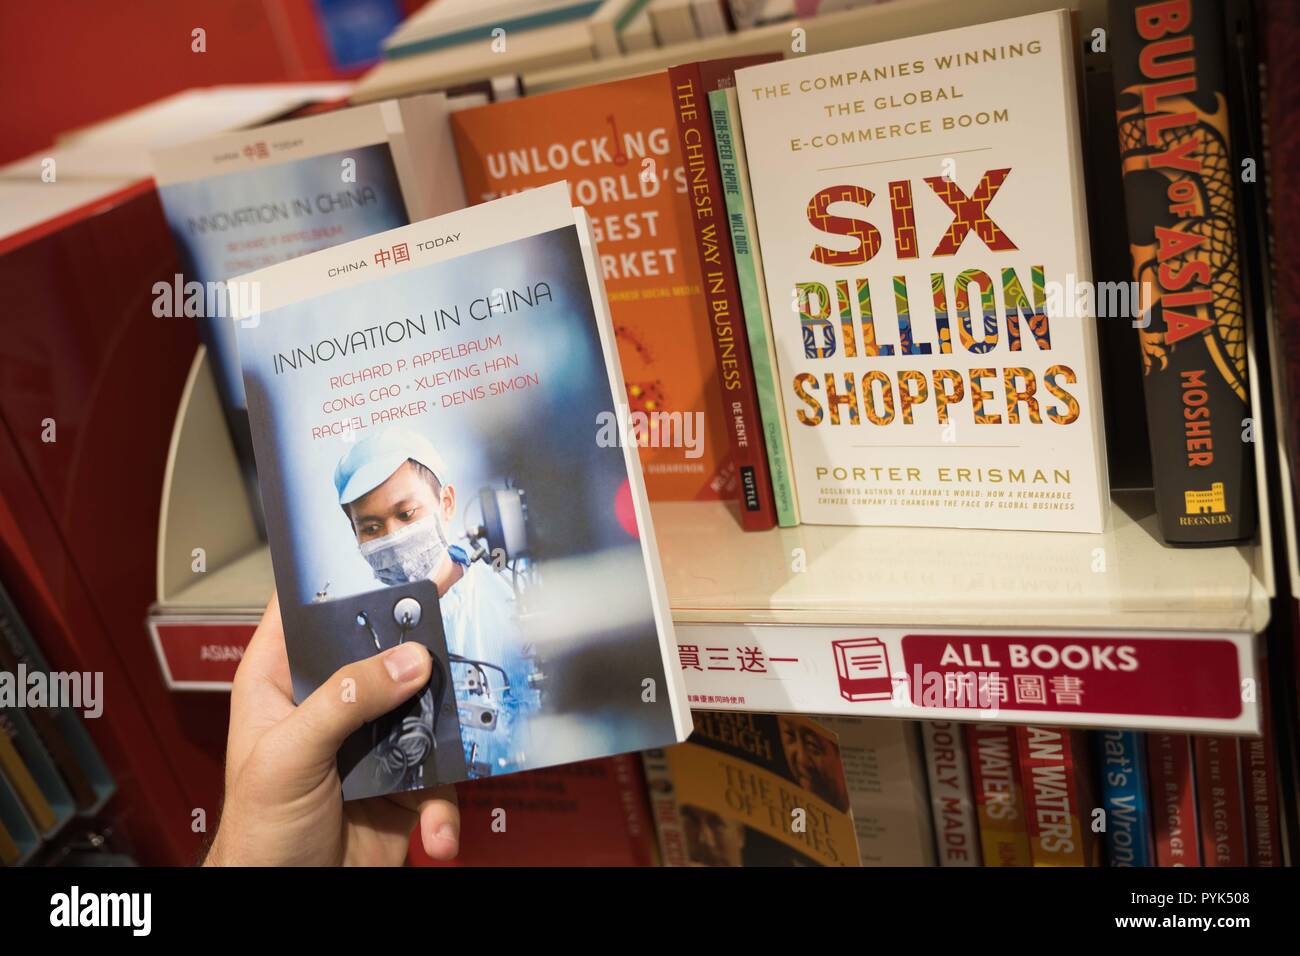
[[863, 668]]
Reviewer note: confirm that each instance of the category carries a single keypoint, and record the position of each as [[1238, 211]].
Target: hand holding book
[[284, 800]]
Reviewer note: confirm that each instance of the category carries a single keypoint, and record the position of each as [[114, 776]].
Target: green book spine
[[735, 187]]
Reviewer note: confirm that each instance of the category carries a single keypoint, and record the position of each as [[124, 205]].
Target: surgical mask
[[408, 554]]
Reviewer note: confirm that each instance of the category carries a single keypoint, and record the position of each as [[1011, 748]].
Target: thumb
[[354, 695]]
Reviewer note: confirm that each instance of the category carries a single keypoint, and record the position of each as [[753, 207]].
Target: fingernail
[[448, 832], [404, 662]]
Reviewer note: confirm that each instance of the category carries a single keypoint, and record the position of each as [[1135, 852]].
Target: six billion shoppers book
[[616, 145], [920, 209], [433, 409], [247, 199], [1179, 190]]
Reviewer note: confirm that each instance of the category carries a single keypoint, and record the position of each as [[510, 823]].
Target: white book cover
[[440, 458], [885, 770], [956, 827], [920, 209]]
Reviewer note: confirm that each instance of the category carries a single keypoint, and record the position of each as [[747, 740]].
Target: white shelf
[[1122, 580]]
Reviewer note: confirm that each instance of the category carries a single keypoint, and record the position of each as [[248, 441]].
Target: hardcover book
[[1173, 798], [691, 86], [752, 790], [245, 200], [1179, 188], [1123, 763], [433, 409], [590, 813], [616, 144], [956, 831], [999, 794], [1059, 800], [928, 278], [733, 167], [1220, 802], [884, 768]]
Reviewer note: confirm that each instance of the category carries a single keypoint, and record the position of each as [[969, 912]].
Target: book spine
[[42, 720], [718, 268], [999, 796], [1179, 182], [632, 790], [1259, 778], [744, 238], [956, 831], [663, 808], [1259, 785], [1173, 796], [9, 852], [24, 784], [1222, 810], [1124, 796], [1054, 767]]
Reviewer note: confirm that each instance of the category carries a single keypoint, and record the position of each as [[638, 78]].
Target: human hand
[[284, 801]]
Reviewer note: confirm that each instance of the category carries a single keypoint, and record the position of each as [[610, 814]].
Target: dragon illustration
[[1212, 189]]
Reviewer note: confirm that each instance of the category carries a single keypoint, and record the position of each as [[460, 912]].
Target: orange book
[[1056, 775], [999, 795], [616, 145]]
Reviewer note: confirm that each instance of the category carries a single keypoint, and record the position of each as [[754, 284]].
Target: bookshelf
[[790, 594]]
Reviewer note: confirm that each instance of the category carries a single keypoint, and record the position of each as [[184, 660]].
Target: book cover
[[1179, 188], [752, 790], [1220, 802], [884, 769], [440, 458], [936, 344], [616, 145], [956, 830], [1123, 764], [590, 813], [1173, 800], [1058, 796], [734, 170], [999, 794], [245, 200], [691, 85]]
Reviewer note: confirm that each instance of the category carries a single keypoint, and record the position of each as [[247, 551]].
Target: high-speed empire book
[[433, 409], [1180, 180], [920, 209]]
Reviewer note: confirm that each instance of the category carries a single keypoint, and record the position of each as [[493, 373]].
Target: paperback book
[[1059, 796], [936, 345], [1173, 799], [616, 145], [999, 794], [691, 85], [956, 830], [433, 409], [1180, 183], [752, 790], [245, 200], [1122, 759]]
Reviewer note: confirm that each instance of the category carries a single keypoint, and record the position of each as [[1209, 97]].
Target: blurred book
[[753, 790]]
